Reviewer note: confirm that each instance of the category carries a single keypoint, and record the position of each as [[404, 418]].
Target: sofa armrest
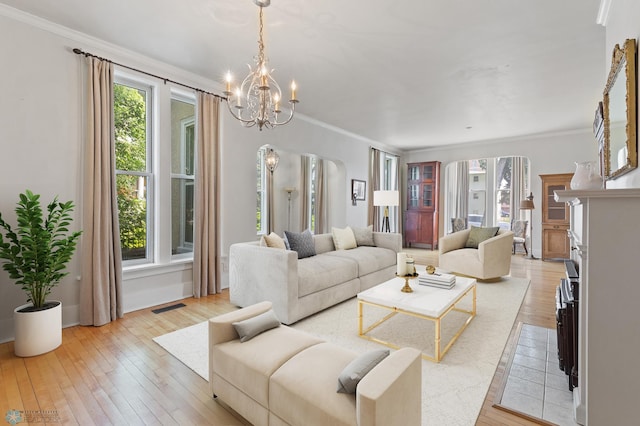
[[260, 273], [453, 241], [221, 330], [392, 391], [392, 241], [497, 248]]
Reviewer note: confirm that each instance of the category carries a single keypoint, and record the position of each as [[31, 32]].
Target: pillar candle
[[401, 267], [410, 267]]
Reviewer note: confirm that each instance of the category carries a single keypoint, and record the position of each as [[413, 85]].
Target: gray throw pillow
[[478, 235], [358, 368], [302, 243], [364, 236], [250, 328]]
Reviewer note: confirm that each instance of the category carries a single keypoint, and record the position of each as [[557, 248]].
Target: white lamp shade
[[386, 198]]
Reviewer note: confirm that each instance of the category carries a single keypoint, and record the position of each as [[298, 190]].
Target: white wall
[[548, 154], [623, 23], [40, 140]]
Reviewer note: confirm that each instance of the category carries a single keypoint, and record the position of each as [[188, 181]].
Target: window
[[261, 194], [389, 182], [489, 185], [477, 192], [134, 178], [182, 174], [155, 170], [503, 192]]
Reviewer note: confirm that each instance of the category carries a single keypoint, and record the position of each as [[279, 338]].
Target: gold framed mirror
[[619, 108]]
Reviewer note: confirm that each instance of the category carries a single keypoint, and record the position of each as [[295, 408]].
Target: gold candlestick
[[407, 288]]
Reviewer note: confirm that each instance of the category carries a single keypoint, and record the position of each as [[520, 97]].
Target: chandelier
[[257, 100]]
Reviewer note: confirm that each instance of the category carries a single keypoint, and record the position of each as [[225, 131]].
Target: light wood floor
[[117, 375]]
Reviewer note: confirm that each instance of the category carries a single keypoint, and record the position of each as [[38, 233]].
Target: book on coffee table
[[439, 280]]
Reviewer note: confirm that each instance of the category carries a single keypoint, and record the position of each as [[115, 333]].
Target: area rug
[[452, 391]]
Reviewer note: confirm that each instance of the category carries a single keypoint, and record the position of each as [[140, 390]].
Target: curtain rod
[[80, 52]]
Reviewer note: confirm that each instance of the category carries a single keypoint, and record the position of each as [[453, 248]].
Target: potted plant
[[35, 256]]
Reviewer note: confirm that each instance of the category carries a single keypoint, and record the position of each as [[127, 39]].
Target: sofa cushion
[[368, 259], [343, 239], [478, 235], [324, 271], [302, 243], [358, 368], [303, 390], [250, 328], [273, 240], [364, 236], [324, 243], [249, 365]]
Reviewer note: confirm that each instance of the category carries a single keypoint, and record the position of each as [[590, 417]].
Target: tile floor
[[536, 386]]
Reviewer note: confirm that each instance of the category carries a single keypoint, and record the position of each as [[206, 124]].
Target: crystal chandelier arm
[[245, 122], [293, 109]]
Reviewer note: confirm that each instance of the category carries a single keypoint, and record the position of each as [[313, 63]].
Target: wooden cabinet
[[555, 217], [421, 217]]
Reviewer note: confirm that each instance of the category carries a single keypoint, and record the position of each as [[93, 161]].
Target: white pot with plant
[[35, 255]]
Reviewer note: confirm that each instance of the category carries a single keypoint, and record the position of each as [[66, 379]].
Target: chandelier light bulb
[[293, 90], [228, 79], [276, 101]]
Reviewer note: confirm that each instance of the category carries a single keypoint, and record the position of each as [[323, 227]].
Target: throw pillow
[[478, 235], [358, 368], [274, 240], [343, 239], [364, 236], [250, 328], [302, 243]]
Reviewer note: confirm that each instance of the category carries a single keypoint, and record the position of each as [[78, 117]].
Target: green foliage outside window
[[131, 153]]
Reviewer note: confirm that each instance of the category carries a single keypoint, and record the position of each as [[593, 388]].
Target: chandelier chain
[[261, 41]]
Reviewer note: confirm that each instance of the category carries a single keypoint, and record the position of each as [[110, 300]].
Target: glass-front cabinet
[[555, 217], [421, 217]]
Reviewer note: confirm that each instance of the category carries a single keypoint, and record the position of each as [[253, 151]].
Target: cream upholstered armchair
[[492, 258]]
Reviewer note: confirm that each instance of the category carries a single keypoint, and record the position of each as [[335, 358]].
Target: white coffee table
[[424, 302]]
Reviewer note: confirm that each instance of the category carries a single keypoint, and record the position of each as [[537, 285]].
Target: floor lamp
[[527, 204], [289, 190], [386, 199]]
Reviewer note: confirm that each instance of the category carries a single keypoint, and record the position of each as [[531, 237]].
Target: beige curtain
[[518, 184], [206, 276], [457, 192], [101, 285], [305, 176], [374, 185], [398, 211]]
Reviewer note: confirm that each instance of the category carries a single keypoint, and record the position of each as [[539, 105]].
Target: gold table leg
[[438, 351]]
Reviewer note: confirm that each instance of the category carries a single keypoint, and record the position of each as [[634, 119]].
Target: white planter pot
[[37, 332]]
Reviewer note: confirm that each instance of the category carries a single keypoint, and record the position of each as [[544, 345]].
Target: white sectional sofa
[[287, 377], [301, 287]]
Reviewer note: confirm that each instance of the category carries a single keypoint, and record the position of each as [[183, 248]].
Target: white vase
[[37, 332], [586, 176]]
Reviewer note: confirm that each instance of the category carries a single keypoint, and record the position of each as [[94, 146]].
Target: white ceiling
[[406, 73]]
